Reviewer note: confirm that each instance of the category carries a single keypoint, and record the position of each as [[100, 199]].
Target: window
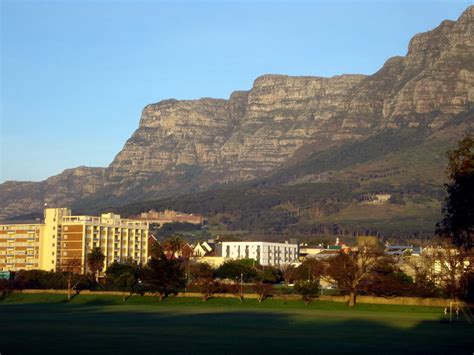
[[227, 251], [65, 253], [65, 245]]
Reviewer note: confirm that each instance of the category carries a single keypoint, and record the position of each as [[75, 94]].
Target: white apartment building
[[266, 253]]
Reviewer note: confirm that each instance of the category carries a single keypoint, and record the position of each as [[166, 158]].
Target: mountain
[[363, 135]]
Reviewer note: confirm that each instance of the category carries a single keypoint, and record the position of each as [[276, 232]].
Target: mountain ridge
[[190, 145]]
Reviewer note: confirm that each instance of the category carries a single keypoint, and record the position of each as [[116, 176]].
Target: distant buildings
[[63, 237], [169, 216], [265, 253]]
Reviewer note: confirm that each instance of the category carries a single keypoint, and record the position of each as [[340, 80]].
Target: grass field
[[46, 324]]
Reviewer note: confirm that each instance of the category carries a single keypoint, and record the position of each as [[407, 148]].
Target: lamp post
[[241, 282]]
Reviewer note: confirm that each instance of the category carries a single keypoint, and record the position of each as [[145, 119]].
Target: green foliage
[[235, 269], [163, 276], [122, 276], [283, 202], [39, 279], [169, 229], [198, 271], [270, 275], [95, 261], [458, 209], [308, 290]]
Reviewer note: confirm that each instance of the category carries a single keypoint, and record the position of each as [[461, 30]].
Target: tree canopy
[[458, 210], [95, 261]]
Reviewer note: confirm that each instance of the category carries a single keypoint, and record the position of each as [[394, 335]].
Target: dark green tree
[[458, 210], [164, 276], [237, 269], [269, 274], [95, 262], [308, 290], [123, 277]]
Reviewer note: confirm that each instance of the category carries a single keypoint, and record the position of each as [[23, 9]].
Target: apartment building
[[20, 246], [266, 253], [63, 238]]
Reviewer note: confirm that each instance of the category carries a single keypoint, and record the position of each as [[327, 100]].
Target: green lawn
[[46, 324]]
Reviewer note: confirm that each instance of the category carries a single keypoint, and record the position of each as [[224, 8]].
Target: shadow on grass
[[88, 328]]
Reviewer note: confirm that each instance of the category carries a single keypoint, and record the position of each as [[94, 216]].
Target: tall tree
[[351, 269], [123, 277], [458, 210], [71, 268], [95, 261], [164, 276]]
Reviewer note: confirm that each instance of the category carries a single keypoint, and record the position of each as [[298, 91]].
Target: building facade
[[265, 253], [20, 246], [63, 239]]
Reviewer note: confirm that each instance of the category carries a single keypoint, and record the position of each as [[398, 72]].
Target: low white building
[[266, 253]]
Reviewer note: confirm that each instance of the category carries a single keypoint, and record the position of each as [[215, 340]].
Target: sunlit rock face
[[182, 146]]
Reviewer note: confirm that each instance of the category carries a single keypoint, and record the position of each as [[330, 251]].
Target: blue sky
[[76, 74]]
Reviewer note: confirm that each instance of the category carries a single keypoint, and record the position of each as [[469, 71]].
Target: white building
[[265, 253]]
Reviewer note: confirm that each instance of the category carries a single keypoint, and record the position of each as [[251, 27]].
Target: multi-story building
[[169, 216], [20, 246], [265, 253], [64, 238]]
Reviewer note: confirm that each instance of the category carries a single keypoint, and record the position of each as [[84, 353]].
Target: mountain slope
[[189, 146]]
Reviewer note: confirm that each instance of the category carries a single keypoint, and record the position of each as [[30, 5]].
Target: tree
[[269, 274], [95, 262], [308, 290], [199, 271], [262, 290], [458, 210], [421, 269], [349, 270], [236, 289], [207, 287], [450, 268], [202, 276], [172, 247], [289, 274], [71, 268], [164, 276], [123, 277], [387, 280], [310, 270], [235, 269]]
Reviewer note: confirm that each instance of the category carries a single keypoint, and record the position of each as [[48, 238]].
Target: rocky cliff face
[[184, 145]]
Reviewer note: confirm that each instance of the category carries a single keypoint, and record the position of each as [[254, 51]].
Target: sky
[[75, 75]]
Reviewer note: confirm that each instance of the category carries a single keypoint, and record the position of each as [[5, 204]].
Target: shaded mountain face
[[188, 146]]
